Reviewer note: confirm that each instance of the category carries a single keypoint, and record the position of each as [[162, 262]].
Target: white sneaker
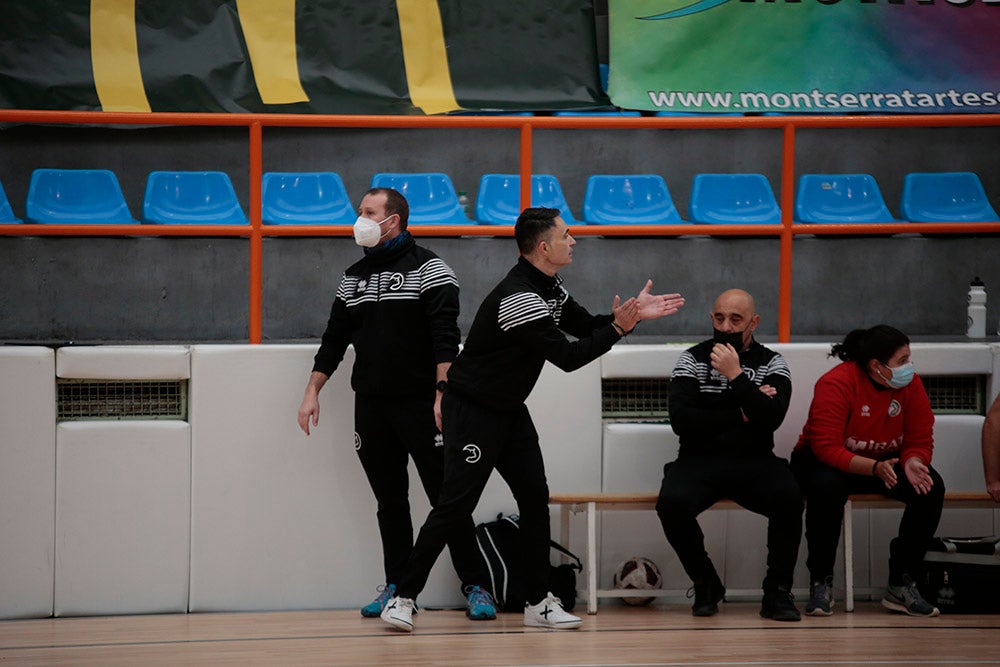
[[549, 613], [398, 612]]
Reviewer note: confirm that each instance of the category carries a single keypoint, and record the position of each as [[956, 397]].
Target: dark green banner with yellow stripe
[[298, 56]]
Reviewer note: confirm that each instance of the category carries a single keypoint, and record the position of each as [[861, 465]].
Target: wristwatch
[[442, 385]]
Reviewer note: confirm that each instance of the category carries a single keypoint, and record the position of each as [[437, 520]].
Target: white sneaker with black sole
[[398, 612], [549, 613]]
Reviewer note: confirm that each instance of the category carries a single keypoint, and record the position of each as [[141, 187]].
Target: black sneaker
[[907, 599], [820, 598], [778, 605], [707, 596]]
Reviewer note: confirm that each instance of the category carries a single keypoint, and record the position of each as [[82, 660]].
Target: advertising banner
[[805, 56]]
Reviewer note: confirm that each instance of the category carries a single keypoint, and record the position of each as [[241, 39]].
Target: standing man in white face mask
[[398, 306]]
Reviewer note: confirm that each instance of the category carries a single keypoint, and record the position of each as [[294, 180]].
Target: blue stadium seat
[[6, 212], [604, 71], [191, 198], [733, 199], [306, 198], [76, 197], [840, 198], [498, 201], [638, 199], [432, 197], [945, 197]]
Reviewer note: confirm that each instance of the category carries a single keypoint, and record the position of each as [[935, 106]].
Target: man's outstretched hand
[[652, 306]]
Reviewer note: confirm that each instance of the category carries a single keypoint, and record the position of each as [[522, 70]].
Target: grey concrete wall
[[196, 289]]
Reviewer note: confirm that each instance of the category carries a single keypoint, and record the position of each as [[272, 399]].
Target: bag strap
[[566, 552]]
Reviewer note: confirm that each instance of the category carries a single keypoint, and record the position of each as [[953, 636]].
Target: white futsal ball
[[639, 573]]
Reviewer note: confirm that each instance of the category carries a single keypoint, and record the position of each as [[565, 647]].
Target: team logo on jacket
[[474, 453], [866, 411], [357, 441], [362, 284], [895, 408], [396, 281], [439, 440]]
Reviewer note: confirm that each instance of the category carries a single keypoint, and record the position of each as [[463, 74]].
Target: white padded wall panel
[[27, 481], [641, 361], [122, 517], [807, 362], [634, 456], [279, 520], [958, 451], [124, 362], [951, 358], [566, 409]]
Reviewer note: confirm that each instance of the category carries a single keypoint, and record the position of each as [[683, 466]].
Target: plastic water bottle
[[463, 201], [977, 309]]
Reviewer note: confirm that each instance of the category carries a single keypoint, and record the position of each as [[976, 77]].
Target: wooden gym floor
[[655, 636]]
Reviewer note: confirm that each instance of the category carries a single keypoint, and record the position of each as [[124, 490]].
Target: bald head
[[736, 312], [736, 299]]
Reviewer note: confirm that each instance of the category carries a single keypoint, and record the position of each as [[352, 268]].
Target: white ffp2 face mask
[[367, 232]]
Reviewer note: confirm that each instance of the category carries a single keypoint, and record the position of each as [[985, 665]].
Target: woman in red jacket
[[870, 430]]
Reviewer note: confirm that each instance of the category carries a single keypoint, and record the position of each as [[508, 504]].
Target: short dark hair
[[395, 204], [532, 225], [862, 345]]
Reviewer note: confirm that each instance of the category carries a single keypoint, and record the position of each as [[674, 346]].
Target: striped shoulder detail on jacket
[[435, 273], [521, 307]]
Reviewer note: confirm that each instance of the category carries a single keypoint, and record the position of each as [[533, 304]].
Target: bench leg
[[848, 555], [564, 528], [591, 558]]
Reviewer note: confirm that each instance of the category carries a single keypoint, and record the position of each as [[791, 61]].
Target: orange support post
[[785, 252], [525, 169], [256, 239]]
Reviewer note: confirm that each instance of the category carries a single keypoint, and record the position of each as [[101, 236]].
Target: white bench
[[592, 503]]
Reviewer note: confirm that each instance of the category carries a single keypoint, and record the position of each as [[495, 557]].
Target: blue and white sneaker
[[479, 604], [374, 608]]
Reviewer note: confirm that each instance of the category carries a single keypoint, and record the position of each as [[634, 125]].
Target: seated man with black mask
[[728, 395]]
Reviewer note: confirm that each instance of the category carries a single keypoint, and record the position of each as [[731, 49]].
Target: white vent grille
[[648, 399], [121, 399], [956, 394], [636, 399]]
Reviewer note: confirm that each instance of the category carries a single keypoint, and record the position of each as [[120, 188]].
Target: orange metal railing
[[255, 231]]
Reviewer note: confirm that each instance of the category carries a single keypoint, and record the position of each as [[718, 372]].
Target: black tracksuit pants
[[762, 483], [826, 490], [389, 431], [478, 440]]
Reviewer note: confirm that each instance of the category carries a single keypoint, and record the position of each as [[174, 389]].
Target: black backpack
[[498, 542]]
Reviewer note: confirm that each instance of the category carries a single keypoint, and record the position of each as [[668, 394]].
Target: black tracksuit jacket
[[398, 306], [519, 327]]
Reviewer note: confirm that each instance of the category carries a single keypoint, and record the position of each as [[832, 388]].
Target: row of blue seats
[[73, 196]]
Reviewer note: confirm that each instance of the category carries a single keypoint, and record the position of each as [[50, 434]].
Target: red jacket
[[851, 415]]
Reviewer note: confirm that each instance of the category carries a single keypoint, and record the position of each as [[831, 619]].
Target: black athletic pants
[[761, 483], [477, 441], [826, 490], [388, 431]]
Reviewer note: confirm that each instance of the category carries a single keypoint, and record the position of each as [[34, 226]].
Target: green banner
[[805, 56]]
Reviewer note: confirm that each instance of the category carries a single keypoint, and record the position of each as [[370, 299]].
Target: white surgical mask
[[901, 376], [367, 232]]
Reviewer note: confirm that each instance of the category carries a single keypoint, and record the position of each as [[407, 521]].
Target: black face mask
[[734, 338]]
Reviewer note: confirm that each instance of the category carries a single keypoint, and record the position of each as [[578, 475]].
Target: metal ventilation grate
[[121, 399], [645, 399], [956, 394]]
